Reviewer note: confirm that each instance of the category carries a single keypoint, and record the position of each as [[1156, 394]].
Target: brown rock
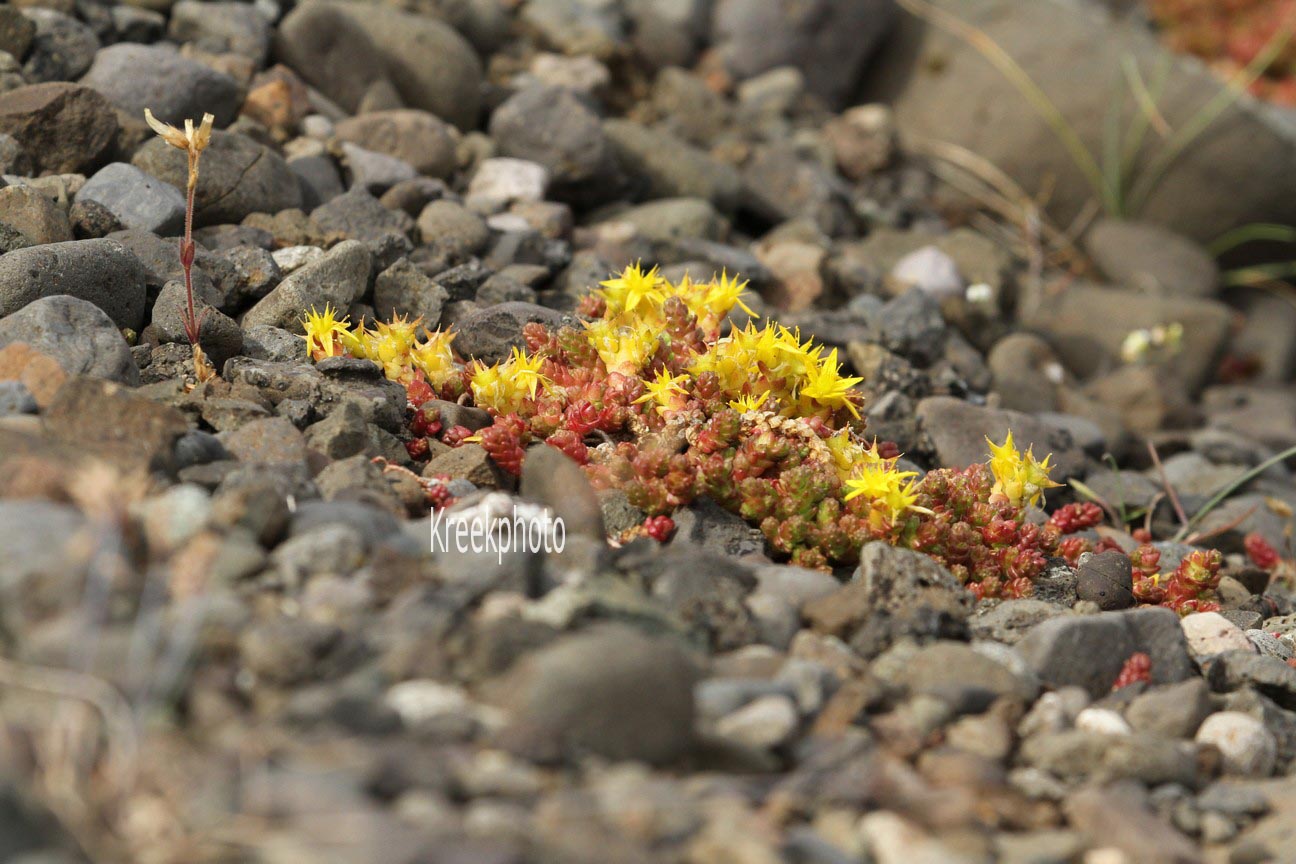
[[65, 128], [41, 373], [129, 430]]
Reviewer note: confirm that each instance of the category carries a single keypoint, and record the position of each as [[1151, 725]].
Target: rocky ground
[[223, 635]]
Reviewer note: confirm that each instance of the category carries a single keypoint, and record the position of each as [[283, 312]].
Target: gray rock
[[1026, 373], [100, 271], [1119, 816], [1007, 622], [610, 691], [161, 261], [959, 431], [452, 231], [331, 51], [284, 650], [238, 176], [762, 724], [265, 342], [501, 181], [34, 215], [674, 218], [134, 24], [1088, 651], [219, 336], [664, 166], [669, 33], [418, 138], [372, 171], [705, 523], [1224, 180], [357, 215], [62, 127], [77, 334], [912, 327], [403, 289], [13, 159], [319, 178], [550, 478], [490, 334], [340, 435], [270, 441], [552, 127], [1270, 645], [1172, 710], [964, 678], [894, 593], [779, 184], [175, 88], [236, 28], [136, 199], [339, 279], [576, 27], [1106, 579], [255, 274], [828, 41], [15, 398], [1077, 754], [393, 50], [1147, 257], [62, 48], [1269, 675]]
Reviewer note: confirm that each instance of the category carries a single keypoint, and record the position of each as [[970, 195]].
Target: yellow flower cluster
[[398, 346], [890, 490], [768, 369], [773, 365], [1018, 477], [505, 386]]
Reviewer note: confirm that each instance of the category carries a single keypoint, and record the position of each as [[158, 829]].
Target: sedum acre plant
[[652, 397], [193, 141]]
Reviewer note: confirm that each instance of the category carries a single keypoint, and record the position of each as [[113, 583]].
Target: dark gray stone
[[490, 334], [237, 28], [175, 88], [100, 271], [609, 691], [1106, 579], [238, 176], [77, 334], [339, 279], [62, 49], [554, 128], [218, 334], [828, 40], [135, 199], [357, 215], [1088, 651]]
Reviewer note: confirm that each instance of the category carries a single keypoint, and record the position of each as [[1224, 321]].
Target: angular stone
[[337, 279], [62, 127], [136, 199]]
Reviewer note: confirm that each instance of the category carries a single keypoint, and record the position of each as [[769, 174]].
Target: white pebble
[[1210, 633], [1247, 746], [1103, 721], [762, 724]]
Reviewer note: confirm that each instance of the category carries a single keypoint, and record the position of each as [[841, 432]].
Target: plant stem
[[1231, 487], [187, 251]]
